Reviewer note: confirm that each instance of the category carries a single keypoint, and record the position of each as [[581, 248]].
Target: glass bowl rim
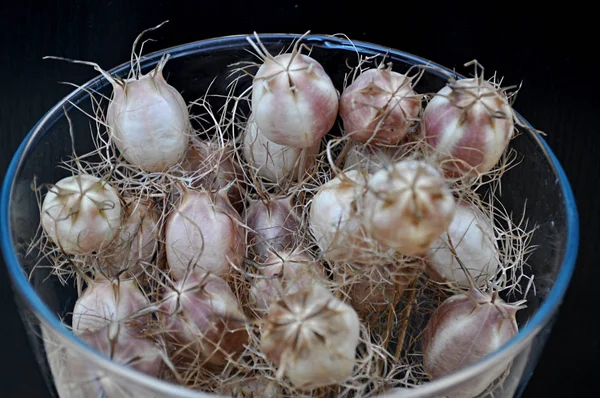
[[47, 317]]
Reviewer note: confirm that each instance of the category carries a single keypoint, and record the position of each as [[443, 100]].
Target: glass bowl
[[43, 301]]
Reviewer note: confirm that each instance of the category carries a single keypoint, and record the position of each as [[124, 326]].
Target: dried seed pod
[[408, 206], [336, 223], [469, 124], [276, 163], [294, 101], [464, 329], [472, 236], [81, 214], [125, 346], [311, 336], [76, 376], [137, 241], [285, 272], [273, 226], [201, 313], [106, 301], [203, 233], [379, 106], [213, 167], [148, 120]]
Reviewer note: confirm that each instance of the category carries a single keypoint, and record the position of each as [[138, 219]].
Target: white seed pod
[[213, 167], [123, 345], [106, 301], [464, 329], [379, 106], [201, 313], [81, 214], [408, 206], [285, 272], [294, 101], [472, 235], [137, 241], [148, 120], [469, 122], [311, 337], [204, 233], [335, 219], [272, 226], [77, 377], [274, 162]]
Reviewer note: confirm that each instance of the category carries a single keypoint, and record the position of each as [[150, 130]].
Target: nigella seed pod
[[203, 233], [379, 106], [294, 101], [148, 120], [137, 241], [81, 214], [470, 240], [464, 329], [202, 314], [284, 272], [276, 163], [123, 345], [407, 206], [273, 226], [311, 337], [105, 301], [335, 219], [76, 376], [469, 123]]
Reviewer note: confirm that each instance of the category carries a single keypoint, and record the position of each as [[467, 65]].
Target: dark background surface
[[545, 50]]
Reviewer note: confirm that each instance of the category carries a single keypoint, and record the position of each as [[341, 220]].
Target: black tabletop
[[552, 51]]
